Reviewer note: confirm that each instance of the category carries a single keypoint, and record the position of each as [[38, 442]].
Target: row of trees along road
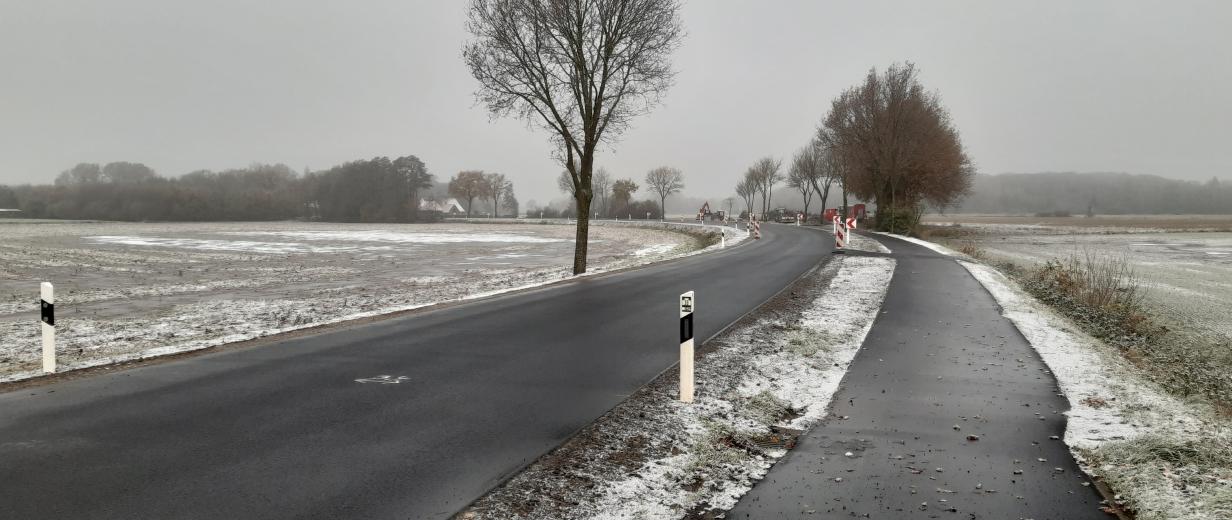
[[582, 69], [759, 179]]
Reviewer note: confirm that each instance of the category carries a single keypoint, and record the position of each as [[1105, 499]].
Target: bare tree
[[582, 68], [509, 201], [896, 145], [765, 174], [803, 174], [664, 181], [747, 190], [469, 185], [498, 187], [830, 172], [602, 184], [565, 182]]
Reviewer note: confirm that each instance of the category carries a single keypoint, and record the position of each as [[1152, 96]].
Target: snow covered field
[[1187, 275], [133, 290]]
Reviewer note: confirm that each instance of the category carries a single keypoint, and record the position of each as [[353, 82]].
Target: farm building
[[447, 207]]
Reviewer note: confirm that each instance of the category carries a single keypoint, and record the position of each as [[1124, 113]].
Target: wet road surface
[[411, 417], [946, 412]]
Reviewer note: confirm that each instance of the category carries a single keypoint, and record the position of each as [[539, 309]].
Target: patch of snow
[[654, 250], [937, 248], [863, 243]]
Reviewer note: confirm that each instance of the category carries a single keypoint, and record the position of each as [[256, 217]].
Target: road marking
[[384, 380]]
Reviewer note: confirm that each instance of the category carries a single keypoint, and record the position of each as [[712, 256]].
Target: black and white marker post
[[687, 304], [49, 327]]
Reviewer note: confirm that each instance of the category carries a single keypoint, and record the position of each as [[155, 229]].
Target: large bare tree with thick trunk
[[583, 69], [664, 181], [896, 145]]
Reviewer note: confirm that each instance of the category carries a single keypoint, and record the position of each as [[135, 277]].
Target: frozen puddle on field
[[403, 237]]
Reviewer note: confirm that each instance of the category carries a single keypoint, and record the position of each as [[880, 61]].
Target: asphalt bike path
[[946, 412], [472, 393]]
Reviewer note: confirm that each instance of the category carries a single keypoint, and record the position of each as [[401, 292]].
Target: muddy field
[[1184, 263], [129, 290]]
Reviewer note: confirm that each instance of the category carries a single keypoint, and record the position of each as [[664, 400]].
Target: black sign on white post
[[48, 318], [687, 304]]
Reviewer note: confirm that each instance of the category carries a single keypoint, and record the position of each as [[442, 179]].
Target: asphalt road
[[284, 430], [939, 355]]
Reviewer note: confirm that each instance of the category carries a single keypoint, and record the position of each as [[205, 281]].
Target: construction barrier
[[840, 235]]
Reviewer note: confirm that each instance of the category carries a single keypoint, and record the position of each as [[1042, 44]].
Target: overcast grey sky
[[1033, 86]]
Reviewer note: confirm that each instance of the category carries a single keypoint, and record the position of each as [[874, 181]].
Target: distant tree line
[[372, 190], [1103, 193]]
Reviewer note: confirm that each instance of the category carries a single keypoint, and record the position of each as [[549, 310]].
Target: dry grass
[[1201, 470], [1103, 295]]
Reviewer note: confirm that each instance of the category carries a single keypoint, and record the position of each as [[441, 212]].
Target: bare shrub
[[1103, 284], [971, 249], [1104, 295]]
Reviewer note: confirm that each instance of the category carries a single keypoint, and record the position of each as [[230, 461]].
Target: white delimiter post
[[687, 305], [49, 327]]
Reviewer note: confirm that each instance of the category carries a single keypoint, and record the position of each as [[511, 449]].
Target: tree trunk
[[663, 208], [414, 205], [824, 195], [583, 230]]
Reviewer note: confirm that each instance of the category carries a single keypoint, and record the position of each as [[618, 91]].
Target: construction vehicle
[[706, 214]]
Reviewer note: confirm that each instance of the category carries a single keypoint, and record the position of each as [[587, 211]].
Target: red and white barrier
[[840, 236], [756, 229]]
